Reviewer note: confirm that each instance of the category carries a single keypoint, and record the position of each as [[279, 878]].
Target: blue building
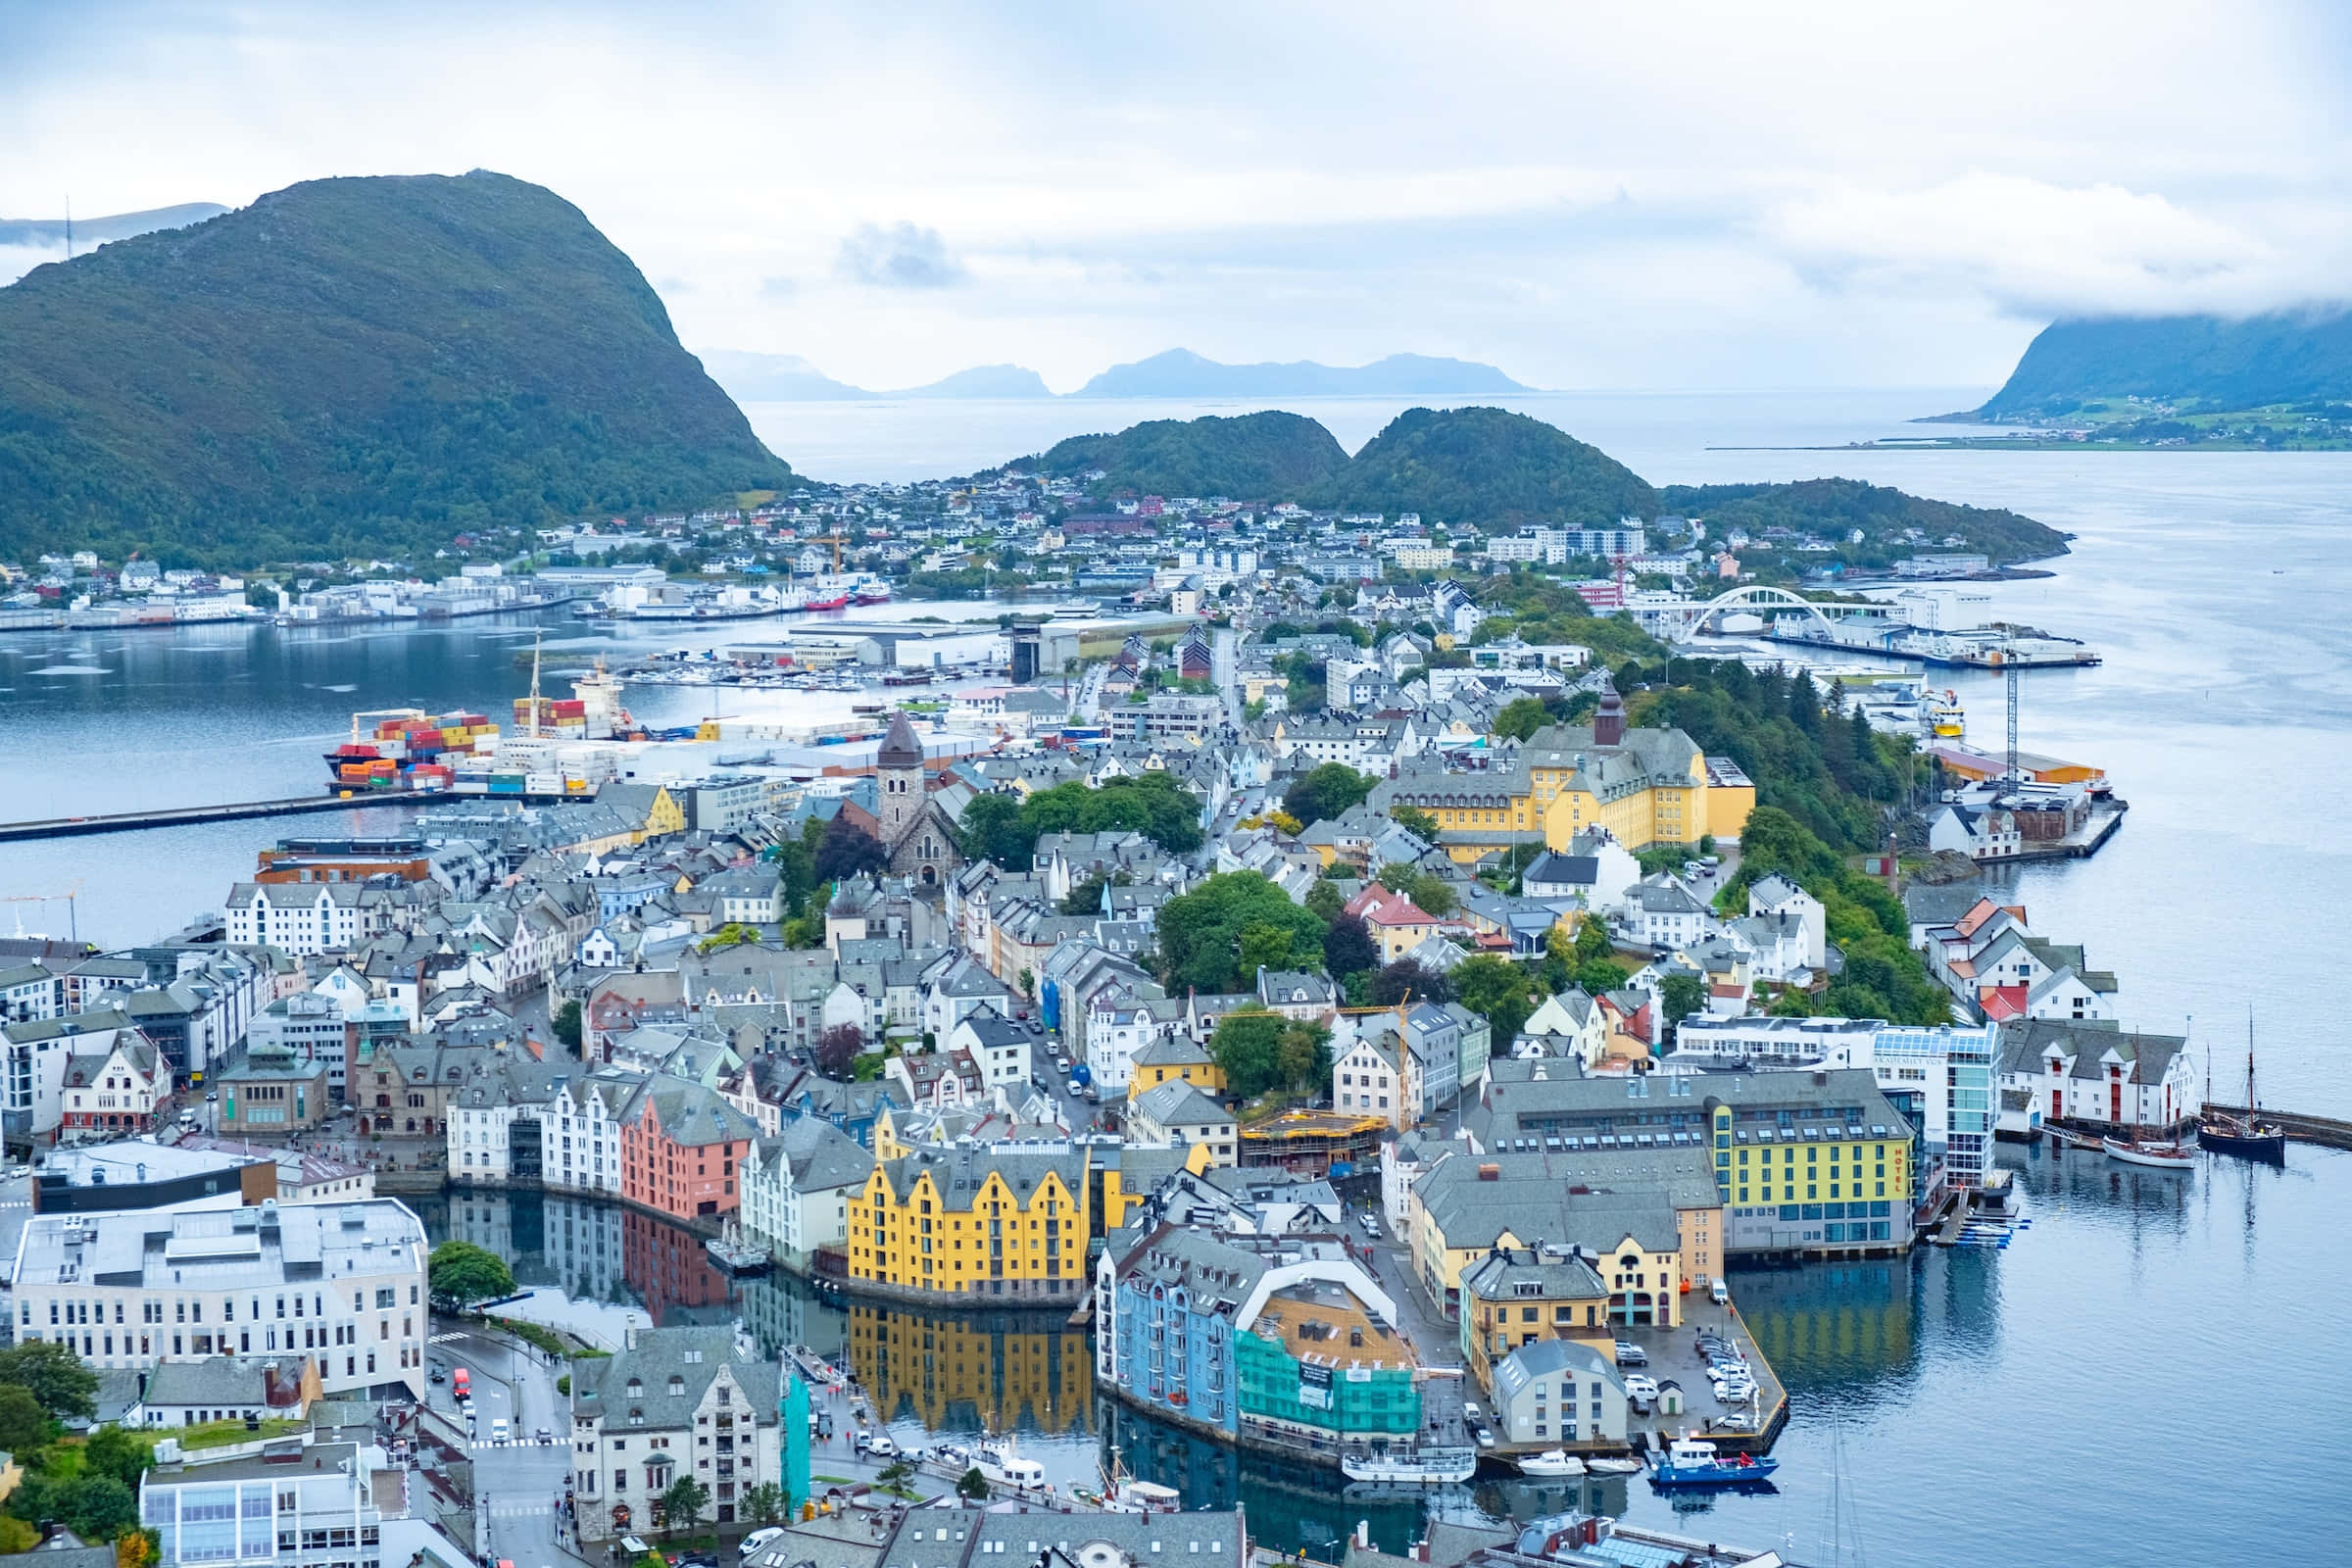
[[1176, 1297]]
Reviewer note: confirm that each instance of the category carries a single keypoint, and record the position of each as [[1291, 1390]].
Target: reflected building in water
[[573, 1244], [973, 1372]]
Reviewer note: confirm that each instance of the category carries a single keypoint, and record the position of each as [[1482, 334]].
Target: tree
[[1499, 990], [567, 1024], [1592, 939], [1087, 897], [1324, 899], [1521, 717], [683, 1503], [462, 1274], [765, 1502], [96, 1507], [991, 831], [973, 1485], [1258, 1051], [1402, 978], [837, 1048], [1432, 894], [846, 851], [1348, 947], [1415, 820], [1679, 995], [52, 1374], [1326, 792], [23, 1424], [896, 1475], [133, 1549], [1202, 932], [113, 1451], [1596, 975]]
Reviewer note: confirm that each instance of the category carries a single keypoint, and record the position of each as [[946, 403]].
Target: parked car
[[1639, 1387], [757, 1539], [1486, 1439], [1720, 1292], [1371, 1225], [1631, 1354], [436, 1375]]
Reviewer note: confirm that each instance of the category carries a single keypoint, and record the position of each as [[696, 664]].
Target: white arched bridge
[[1680, 621]]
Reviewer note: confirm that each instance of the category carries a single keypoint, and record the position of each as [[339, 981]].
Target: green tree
[[764, 1504], [113, 1451], [23, 1424], [52, 1374], [567, 1024], [992, 830], [1324, 899], [462, 1274], [1521, 717], [1415, 820], [1087, 897], [973, 1485], [682, 1503], [896, 1475], [1679, 997], [1592, 939], [1267, 945], [1259, 1050], [1326, 792], [1432, 894], [1501, 992], [1200, 932], [96, 1507], [1596, 975], [1397, 981]]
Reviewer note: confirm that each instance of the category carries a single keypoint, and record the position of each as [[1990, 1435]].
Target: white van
[[498, 1430], [757, 1539], [1720, 1293]]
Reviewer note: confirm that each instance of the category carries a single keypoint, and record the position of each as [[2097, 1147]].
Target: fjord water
[[2157, 1358]]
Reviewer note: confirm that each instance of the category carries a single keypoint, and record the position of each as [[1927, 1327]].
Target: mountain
[[1182, 373], [1834, 508], [2209, 360], [352, 366], [91, 232], [983, 381], [777, 378], [1485, 467], [1269, 456]]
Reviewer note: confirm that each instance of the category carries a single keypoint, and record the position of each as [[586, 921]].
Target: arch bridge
[[1759, 599]]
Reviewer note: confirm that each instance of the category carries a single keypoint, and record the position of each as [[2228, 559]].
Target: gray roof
[[1548, 1358], [1220, 1277], [65, 1549], [2027, 1043], [959, 1172], [928, 1538], [1177, 1104], [1552, 1274], [823, 1157], [691, 1356], [1530, 1200], [1571, 870]]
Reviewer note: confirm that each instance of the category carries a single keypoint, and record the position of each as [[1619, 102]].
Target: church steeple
[[899, 770], [900, 747], [1608, 723]]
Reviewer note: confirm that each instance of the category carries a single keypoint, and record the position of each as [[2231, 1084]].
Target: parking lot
[[1674, 1356]]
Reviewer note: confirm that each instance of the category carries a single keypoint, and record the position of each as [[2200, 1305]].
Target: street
[[519, 1484]]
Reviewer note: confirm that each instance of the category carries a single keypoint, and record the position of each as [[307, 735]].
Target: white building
[[552, 1129], [1365, 1080], [1000, 1046], [342, 1283], [301, 918], [797, 1187], [677, 1402]]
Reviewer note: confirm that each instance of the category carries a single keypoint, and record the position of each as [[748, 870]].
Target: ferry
[[1423, 1467], [1693, 1463]]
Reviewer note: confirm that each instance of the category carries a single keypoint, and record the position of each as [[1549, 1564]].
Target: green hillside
[[2200, 361], [1255, 457], [1835, 508], [351, 367], [1486, 467]]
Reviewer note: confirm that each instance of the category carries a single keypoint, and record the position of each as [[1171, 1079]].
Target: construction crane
[[833, 539], [69, 897], [2010, 668]]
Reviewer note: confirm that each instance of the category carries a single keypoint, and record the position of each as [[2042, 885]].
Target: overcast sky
[[1653, 196]]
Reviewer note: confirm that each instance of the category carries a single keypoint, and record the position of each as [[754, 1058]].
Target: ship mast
[[535, 636]]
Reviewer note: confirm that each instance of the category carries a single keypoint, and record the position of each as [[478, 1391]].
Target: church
[[918, 837]]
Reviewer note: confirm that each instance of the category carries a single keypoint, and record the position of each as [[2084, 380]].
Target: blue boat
[[1693, 1463]]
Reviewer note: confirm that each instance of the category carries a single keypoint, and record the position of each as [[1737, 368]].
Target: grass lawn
[[219, 1434]]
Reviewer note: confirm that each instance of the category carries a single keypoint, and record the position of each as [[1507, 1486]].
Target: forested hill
[[1838, 507], [1486, 467], [351, 367], [1268, 455], [2210, 362]]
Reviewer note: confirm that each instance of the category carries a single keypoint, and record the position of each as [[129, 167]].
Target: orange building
[[680, 1146]]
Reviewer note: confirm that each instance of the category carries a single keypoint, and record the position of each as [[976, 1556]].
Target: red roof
[[2002, 1002]]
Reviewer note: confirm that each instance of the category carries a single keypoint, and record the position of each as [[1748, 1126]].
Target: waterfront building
[[1174, 1059], [674, 1403], [2098, 1077], [306, 919], [516, 1121], [797, 1188], [679, 1144], [1559, 1391], [342, 1283], [1320, 1362], [1175, 1298], [1468, 1206], [1517, 1297], [1002, 1220], [1177, 1113]]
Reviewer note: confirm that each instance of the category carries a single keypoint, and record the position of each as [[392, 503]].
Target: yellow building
[[1467, 1207], [1175, 1060], [1646, 785], [649, 810], [974, 1220], [1128, 1174], [1514, 1297]]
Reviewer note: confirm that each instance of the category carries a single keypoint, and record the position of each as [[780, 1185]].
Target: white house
[[1178, 1114], [999, 1045], [2100, 1076], [1660, 913], [797, 1187], [1365, 1080], [675, 1404], [1776, 895]]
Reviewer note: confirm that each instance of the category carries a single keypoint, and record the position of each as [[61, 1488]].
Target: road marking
[[446, 1339]]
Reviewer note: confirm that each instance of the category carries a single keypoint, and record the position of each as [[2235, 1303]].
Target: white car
[[757, 1539], [880, 1447], [498, 1429], [1638, 1386]]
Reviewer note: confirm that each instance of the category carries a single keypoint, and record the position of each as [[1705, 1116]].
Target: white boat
[[1425, 1468], [996, 1459], [1551, 1462], [1613, 1468], [2154, 1156]]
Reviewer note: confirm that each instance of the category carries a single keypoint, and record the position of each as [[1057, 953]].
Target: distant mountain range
[[92, 231], [2204, 361], [1177, 374]]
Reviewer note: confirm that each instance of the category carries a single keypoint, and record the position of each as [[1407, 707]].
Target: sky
[[1641, 197]]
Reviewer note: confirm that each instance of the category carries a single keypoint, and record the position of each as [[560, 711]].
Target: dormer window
[[677, 1385], [636, 1388]]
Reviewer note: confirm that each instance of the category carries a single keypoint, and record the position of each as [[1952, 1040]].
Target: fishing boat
[[1946, 718], [1551, 1462], [2149, 1153], [2245, 1135], [996, 1459], [1690, 1462], [1412, 1467]]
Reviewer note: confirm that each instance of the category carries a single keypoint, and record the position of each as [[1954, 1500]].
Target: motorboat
[[1612, 1467], [1692, 1462], [1420, 1467], [1551, 1462], [2150, 1155], [996, 1459]]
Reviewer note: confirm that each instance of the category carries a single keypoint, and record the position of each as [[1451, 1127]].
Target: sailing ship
[[2150, 1154], [2246, 1134]]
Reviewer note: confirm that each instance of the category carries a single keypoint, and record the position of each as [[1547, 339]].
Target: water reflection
[[971, 1373]]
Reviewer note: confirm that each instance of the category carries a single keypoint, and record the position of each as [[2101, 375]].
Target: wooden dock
[[2324, 1131]]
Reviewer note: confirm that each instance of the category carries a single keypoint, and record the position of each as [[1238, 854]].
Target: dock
[[66, 827], [2325, 1131]]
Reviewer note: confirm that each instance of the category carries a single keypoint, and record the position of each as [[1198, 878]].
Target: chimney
[[1489, 1173]]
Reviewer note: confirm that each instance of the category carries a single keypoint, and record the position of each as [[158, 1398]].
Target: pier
[[2324, 1131], [66, 827]]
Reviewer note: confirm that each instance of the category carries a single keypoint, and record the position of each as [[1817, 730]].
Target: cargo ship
[[403, 749]]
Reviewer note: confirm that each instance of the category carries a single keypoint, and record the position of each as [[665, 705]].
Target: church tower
[[899, 770], [1608, 723]]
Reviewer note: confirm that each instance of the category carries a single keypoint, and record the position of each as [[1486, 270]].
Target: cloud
[[899, 256], [778, 288]]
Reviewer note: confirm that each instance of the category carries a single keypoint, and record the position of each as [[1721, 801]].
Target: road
[[518, 1485]]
